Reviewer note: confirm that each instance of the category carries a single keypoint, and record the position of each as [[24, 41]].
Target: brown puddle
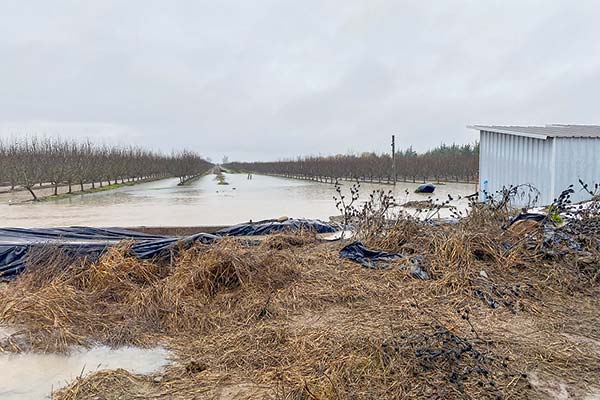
[[35, 376]]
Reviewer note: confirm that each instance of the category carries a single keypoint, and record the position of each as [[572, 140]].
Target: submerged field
[[506, 313], [203, 202]]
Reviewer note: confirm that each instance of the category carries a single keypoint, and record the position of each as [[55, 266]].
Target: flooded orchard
[[211, 200], [204, 202]]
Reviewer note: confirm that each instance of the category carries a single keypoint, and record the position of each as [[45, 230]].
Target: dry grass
[[290, 319]]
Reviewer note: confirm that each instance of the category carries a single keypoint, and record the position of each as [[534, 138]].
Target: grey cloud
[[272, 79]]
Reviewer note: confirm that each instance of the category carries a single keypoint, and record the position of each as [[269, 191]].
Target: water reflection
[[204, 202]]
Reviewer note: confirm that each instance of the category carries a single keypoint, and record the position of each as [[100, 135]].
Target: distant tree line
[[443, 163], [32, 161]]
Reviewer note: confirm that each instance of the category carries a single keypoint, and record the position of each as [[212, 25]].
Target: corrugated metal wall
[[576, 158], [550, 165], [510, 160]]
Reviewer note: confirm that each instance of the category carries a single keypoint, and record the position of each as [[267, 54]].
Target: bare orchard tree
[[27, 154], [441, 163], [53, 157], [187, 164], [30, 161]]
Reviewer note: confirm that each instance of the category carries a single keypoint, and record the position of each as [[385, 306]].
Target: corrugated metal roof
[[543, 132]]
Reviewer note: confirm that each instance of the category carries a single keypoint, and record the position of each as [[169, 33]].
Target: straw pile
[[290, 319]]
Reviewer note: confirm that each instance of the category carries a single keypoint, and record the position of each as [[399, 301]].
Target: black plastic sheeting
[[368, 258], [426, 188], [553, 235], [416, 268], [16, 243], [273, 226], [528, 216], [377, 259]]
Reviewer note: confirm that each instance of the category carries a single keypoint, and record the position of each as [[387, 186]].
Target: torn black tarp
[[377, 259], [368, 258], [270, 226], [528, 216], [416, 268], [16, 243]]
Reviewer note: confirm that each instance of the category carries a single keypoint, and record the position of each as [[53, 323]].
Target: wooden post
[[394, 158]]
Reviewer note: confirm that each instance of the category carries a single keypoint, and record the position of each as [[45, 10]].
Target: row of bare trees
[[443, 163], [32, 162]]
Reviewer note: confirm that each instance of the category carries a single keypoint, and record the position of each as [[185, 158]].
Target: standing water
[[32, 376], [202, 203]]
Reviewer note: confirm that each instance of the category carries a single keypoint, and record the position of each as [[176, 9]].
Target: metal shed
[[550, 158]]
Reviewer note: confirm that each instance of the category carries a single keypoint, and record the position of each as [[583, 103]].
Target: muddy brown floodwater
[[31, 376], [202, 203]]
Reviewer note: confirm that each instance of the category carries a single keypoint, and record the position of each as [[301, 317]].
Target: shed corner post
[[552, 194], [481, 174]]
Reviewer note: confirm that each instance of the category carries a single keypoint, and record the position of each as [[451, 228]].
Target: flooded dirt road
[[202, 203]]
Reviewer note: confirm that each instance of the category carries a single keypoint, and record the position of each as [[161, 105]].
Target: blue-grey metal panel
[[576, 158], [511, 160]]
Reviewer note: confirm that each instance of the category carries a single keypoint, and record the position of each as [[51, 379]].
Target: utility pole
[[394, 158]]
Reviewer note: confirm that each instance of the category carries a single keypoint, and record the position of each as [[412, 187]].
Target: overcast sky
[[263, 80]]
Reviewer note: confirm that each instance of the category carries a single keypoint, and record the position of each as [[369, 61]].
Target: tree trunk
[[81, 185], [56, 189], [70, 188], [31, 191]]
